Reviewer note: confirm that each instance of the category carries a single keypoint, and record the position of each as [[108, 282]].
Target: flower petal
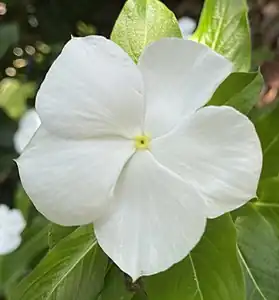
[[217, 151], [157, 221], [92, 89], [180, 76], [28, 125], [70, 181]]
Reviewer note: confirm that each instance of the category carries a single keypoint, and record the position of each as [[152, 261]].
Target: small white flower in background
[[12, 225], [187, 26], [3, 9], [132, 149], [28, 125]]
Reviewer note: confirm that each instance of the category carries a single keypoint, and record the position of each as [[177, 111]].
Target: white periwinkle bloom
[[187, 26], [132, 149], [12, 224], [27, 127]]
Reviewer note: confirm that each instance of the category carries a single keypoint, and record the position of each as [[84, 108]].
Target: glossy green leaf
[[142, 22], [224, 27], [74, 269], [9, 35], [116, 286], [212, 270], [267, 127], [258, 239], [239, 90], [13, 96], [57, 233], [18, 263]]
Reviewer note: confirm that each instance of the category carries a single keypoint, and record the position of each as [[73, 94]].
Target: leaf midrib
[[218, 30], [84, 253], [196, 277], [90, 246], [251, 275]]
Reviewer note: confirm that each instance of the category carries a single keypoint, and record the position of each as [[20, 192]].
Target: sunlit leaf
[[13, 96], [142, 22], [224, 27]]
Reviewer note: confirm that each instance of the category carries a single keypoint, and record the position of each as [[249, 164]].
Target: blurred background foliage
[[32, 33]]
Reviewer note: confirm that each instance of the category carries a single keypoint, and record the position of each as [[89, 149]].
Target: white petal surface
[[217, 151], [157, 220], [180, 76], [27, 126], [92, 89], [70, 181]]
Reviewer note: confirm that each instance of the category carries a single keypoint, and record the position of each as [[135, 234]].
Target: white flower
[[129, 148], [28, 125], [12, 224], [187, 26]]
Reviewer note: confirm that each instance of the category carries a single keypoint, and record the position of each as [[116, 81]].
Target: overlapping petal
[[180, 76], [217, 151], [28, 125], [92, 89], [70, 181], [156, 221]]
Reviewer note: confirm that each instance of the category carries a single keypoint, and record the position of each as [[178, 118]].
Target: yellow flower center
[[142, 142]]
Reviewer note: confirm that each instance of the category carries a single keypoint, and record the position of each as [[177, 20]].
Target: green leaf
[[141, 295], [57, 233], [142, 22], [212, 270], [258, 240], [268, 130], [16, 264], [116, 287], [22, 201], [74, 269], [9, 35], [239, 90], [13, 96], [224, 27]]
